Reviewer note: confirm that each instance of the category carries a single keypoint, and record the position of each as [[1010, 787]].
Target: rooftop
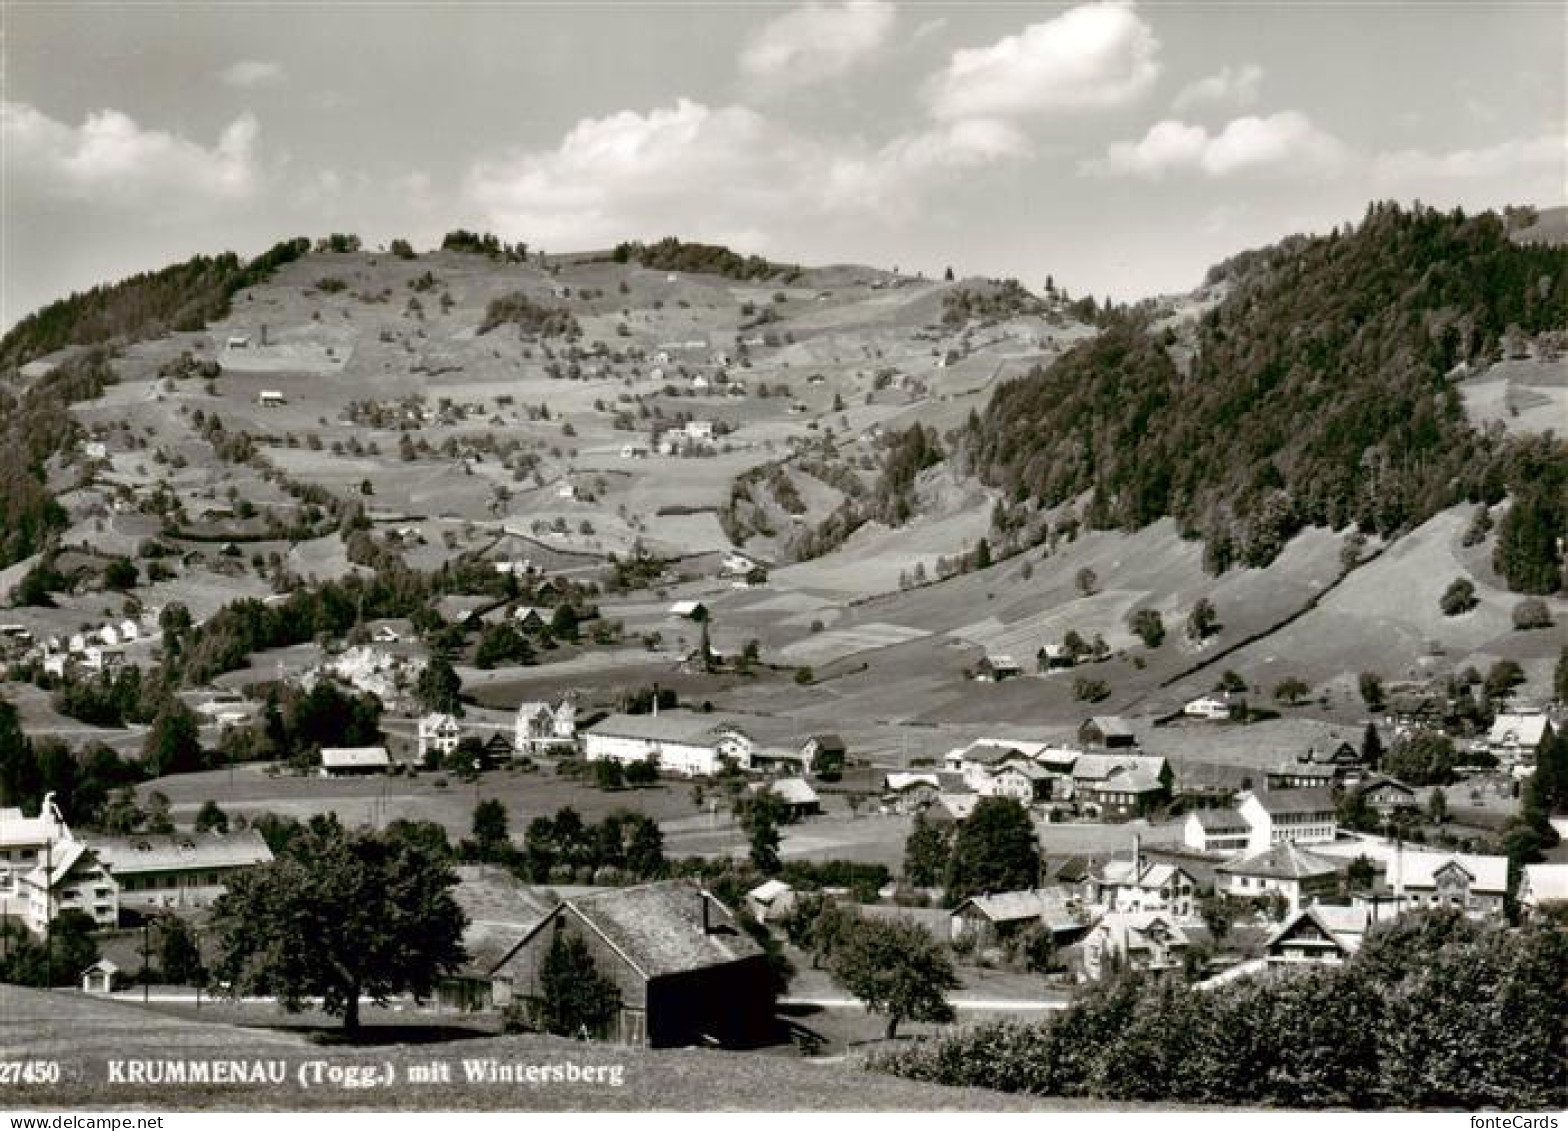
[[129, 855], [658, 927], [667, 726], [1283, 862]]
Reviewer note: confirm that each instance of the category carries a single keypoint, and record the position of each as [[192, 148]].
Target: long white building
[[678, 742]]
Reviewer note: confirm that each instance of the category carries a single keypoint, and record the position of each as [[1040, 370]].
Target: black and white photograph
[[759, 556]]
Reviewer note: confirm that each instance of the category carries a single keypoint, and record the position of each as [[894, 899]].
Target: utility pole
[[146, 953], [49, 912]]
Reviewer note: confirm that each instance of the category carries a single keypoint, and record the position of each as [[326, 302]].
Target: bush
[[1458, 598], [1532, 613]]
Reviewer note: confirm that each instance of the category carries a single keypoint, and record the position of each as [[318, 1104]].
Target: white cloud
[[253, 72], [1285, 144], [817, 41], [109, 159], [1546, 153], [725, 173], [1089, 57], [1229, 86]]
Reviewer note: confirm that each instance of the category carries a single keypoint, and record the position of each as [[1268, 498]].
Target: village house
[[1541, 885], [462, 609], [1120, 786], [1128, 940], [437, 734], [1322, 934], [1387, 797], [1514, 737], [1020, 779], [1417, 879], [1054, 657], [952, 809], [906, 792], [689, 610], [178, 870], [685, 971], [678, 742], [825, 754], [543, 729], [354, 761], [1222, 831], [1277, 816], [69, 877], [1298, 876], [271, 398], [985, 921], [24, 842], [1215, 707], [1138, 884]]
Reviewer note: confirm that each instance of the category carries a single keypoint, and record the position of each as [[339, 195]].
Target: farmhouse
[[69, 877], [904, 792], [1277, 816], [354, 761], [178, 869], [541, 728], [1216, 830], [986, 920], [690, 610], [980, 759], [271, 398], [798, 798], [1323, 934], [686, 972], [1052, 657], [995, 668], [1107, 732], [1121, 785], [1126, 940], [1297, 875], [952, 808], [529, 618], [1302, 775], [678, 742], [500, 911], [438, 735]]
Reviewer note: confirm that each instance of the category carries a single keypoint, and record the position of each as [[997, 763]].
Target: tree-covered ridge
[[1317, 394], [671, 254], [184, 296]]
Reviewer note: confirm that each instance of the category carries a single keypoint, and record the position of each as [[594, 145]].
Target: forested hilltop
[[1319, 392]]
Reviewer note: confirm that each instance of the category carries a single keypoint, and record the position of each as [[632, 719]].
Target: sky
[[1118, 148]]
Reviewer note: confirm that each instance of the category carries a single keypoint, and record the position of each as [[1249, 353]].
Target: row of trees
[[1435, 1011]]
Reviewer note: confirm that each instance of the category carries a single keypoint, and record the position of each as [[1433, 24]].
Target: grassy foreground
[[84, 1034]]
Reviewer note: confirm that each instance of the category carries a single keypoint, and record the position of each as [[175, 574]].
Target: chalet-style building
[[1301, 877], [1125, 793], [1126, 940], [1297, 816], [1215, 707], [178, 870], [1514, 737], [686, 972], [678, 742], [906, 792], [543, 729], [438, 735], [1322, 934], [1303, 775], [987, 920], [69, 877], [1107, 732], [1223, 831], [354, 761], [1387, 797]]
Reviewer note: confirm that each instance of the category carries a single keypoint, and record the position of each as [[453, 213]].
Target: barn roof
[[667, 726], [144, 852], [658, 928]]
